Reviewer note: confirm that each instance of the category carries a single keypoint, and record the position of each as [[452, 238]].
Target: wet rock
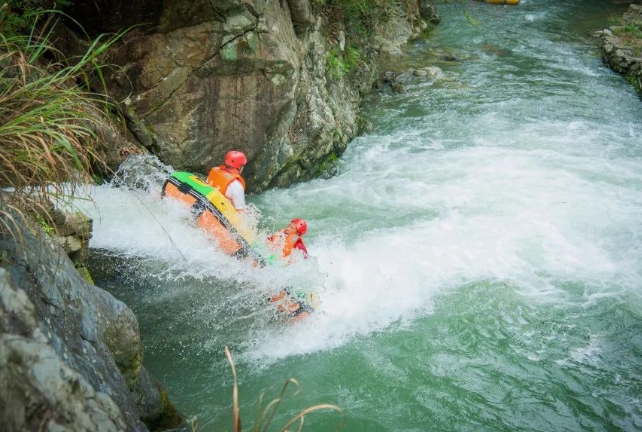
[[39, 390], [153, 404], [420, 73], [70, 353], [434, 72], [405, 77], [428, 11], [621, 49], [451, 57], [398, 87], [122, 337]]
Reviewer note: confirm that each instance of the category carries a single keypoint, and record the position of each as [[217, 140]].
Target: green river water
[[478, 254]]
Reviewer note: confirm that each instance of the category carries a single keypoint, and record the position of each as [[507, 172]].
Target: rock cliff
[[280, 80], [70, 353]]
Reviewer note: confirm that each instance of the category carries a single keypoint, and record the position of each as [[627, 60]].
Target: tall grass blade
[[235, 393]]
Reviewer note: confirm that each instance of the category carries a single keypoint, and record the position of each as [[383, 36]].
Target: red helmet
[[235, 159], [301, 226]]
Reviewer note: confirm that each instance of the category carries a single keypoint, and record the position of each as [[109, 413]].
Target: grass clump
[[359, 16], [628, 30], [48, 115], [265, 416]]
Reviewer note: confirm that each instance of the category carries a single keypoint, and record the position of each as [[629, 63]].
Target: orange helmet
[[301, 226], [235, 159]]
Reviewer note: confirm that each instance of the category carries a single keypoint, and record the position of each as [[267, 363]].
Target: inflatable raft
[[213, 212], [216, 215]]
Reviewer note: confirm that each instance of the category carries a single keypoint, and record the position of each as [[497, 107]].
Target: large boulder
[[70, 353], [39, 390]]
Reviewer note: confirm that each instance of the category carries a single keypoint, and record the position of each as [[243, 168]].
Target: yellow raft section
[[215, 214], [213, 211]]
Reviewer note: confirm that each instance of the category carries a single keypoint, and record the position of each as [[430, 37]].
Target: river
[[478, 254]]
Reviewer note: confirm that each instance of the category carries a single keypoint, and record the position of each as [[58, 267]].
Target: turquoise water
[[478, 254]]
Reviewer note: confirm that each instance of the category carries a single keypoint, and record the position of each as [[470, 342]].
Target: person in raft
[[227, 178], [290, 238]]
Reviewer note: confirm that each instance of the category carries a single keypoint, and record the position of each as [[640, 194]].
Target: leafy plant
[[630, 30], [334, 64], [339, 64], [359, 16], [45, 225]]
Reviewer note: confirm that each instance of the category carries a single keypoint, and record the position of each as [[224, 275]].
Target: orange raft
[[215, 214]]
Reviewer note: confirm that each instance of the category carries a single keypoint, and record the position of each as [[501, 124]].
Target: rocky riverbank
[[621, 46], [70, 353]]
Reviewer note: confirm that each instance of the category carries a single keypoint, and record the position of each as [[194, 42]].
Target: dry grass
[[264, 416], [48, 117]]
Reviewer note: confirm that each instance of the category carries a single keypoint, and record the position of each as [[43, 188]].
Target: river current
[[478, 254]]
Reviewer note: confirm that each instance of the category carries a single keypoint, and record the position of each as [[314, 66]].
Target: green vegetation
[[19, 14], [84, 272], [359, 16], [45, 225], [328, 163], [341, 63], [471, 19], [48, 116], [633, 79], [629, 30]]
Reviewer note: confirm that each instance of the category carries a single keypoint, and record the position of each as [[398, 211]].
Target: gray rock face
[[40, 391], [70, 353], [207, 76]]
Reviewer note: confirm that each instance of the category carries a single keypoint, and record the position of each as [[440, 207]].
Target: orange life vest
[[285, 242], [220, 177]]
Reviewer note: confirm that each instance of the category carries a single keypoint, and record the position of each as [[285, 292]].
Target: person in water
[[290, 302], [290, 238], [227, 178]]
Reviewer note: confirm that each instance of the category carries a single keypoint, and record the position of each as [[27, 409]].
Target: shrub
[[23, 11], [339, 63]]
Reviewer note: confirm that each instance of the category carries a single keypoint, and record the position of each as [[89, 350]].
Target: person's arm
[[236, 194], [299, 245]]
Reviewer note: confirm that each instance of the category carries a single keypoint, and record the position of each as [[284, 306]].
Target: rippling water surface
[[478, 254]]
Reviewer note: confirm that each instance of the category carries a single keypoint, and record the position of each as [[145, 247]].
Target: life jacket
[[287, 243], [220, 178]]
